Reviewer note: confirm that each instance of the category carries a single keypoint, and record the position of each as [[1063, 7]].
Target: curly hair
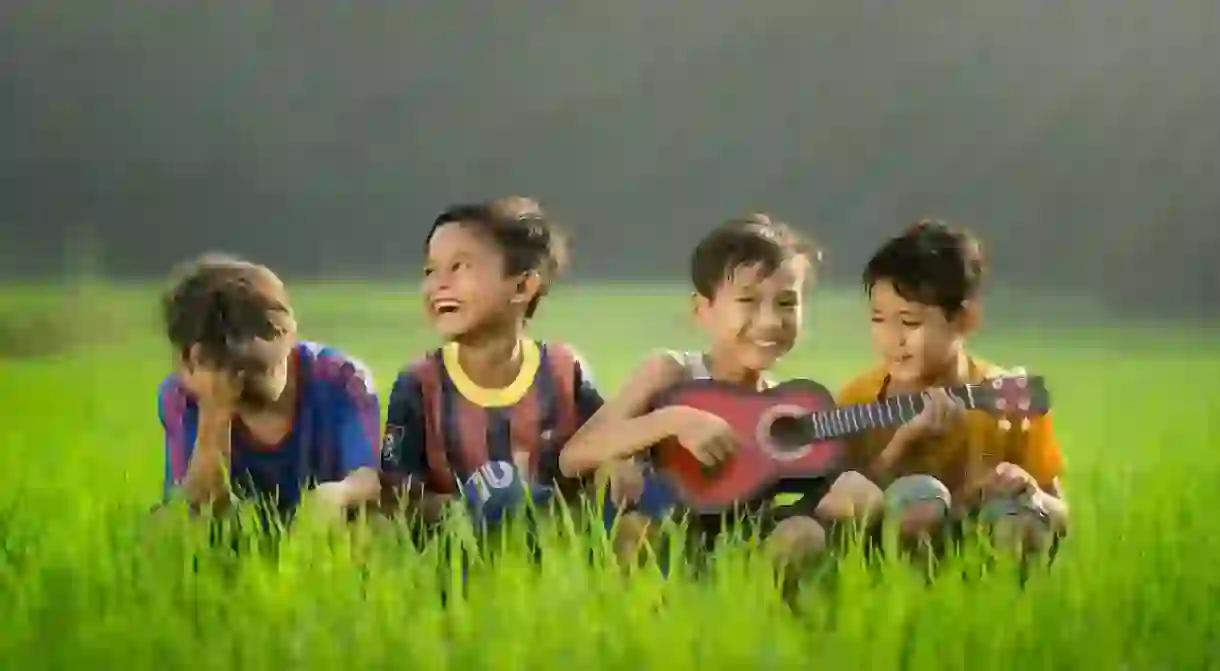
[[224, 304]]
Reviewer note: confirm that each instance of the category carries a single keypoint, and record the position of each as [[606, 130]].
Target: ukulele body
[[759, 462]]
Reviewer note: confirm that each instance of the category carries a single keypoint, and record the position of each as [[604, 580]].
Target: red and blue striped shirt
[[335, 431], [441, 426]]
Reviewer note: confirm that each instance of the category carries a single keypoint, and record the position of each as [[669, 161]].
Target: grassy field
[[87, 580]]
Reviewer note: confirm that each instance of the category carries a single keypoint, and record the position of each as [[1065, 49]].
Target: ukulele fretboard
[[882, 413]]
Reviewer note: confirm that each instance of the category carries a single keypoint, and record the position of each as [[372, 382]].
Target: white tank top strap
[[693, 364]]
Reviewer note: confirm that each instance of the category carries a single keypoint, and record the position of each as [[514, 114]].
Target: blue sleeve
[[359, 420], [172, 413], [402, 447], [588, 399]]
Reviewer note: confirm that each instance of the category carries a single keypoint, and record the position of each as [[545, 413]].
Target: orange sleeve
[[861, 389], [1038, 452], [862, 447]]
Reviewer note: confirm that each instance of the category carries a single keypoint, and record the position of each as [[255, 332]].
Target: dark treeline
[[1081, 140]]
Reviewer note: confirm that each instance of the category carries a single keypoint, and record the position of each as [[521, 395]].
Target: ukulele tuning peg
[[1005, 425], [1025, 424]]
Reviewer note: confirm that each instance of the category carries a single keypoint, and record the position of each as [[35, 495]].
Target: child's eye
[[427, 271], [912, 325]]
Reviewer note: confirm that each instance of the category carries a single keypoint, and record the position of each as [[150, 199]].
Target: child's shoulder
[[330, 366], [172, 396], [864, 387], [425, 366], [982, 369], [559, 350]]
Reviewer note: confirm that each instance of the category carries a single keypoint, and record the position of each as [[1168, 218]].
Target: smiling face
[[465, 286], [917, 342], [754, 318]]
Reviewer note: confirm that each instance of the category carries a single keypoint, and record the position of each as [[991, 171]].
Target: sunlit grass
[[89, 578]]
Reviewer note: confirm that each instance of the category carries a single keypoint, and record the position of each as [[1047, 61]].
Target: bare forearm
[[880, 466], [1056, 508], [361, 486], [612, 441], [207, 475]]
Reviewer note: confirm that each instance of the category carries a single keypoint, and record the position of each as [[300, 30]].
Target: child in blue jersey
[[483, 417], [251, 411]]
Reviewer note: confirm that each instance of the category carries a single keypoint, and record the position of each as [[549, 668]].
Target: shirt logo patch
[[390, 444]]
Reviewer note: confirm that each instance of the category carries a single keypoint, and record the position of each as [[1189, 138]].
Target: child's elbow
[[1057, 514], [572, 463], [364, 484]]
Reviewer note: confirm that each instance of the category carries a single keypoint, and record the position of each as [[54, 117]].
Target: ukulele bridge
[[782, 432]]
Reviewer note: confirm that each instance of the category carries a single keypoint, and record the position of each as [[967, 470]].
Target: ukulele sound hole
[[789, 433]]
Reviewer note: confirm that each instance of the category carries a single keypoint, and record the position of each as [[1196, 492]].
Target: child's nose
[[437, 280], [768, 317]]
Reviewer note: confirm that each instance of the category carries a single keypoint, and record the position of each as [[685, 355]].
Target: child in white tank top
[[749, 279]]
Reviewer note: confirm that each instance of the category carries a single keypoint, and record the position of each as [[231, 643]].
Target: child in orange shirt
[[947, 465]]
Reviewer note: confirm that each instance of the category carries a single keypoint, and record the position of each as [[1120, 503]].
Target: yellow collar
[[494, 398]]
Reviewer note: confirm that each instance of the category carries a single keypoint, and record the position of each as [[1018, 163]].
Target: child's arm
[[404, 461], [1054, 504], [622, 427], [1037, 454], [198, 466], [941, 411]]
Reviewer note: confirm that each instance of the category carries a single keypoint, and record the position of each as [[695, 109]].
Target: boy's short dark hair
[[222, 303], [753, 240], [932, 262], [529, 240]]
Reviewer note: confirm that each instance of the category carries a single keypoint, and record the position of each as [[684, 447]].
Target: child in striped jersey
[[251, 412], [487, 413]]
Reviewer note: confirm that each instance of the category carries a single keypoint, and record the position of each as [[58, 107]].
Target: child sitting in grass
[[749, 278], [483, 417], [947, 466], [251, 411]]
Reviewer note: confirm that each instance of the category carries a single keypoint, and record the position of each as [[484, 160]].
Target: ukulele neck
[[882, 413]]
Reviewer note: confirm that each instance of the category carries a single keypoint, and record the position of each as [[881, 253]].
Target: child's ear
[[698, 304], [528, 287], [970, 317], [701, 306]]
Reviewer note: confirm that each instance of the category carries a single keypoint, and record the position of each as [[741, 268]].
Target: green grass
[[88, 579]]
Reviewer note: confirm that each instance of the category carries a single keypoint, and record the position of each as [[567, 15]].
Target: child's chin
[[449, 329], [905, 376], [760, 362]]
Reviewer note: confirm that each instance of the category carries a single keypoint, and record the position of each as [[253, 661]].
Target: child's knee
[[630, 534], [796, 539], [919, 504], [852, 496], [1015, 527]]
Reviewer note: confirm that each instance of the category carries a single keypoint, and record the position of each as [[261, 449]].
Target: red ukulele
[[795, 431]]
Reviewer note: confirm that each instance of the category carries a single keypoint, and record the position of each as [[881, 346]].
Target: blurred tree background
[[1080, 139]]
